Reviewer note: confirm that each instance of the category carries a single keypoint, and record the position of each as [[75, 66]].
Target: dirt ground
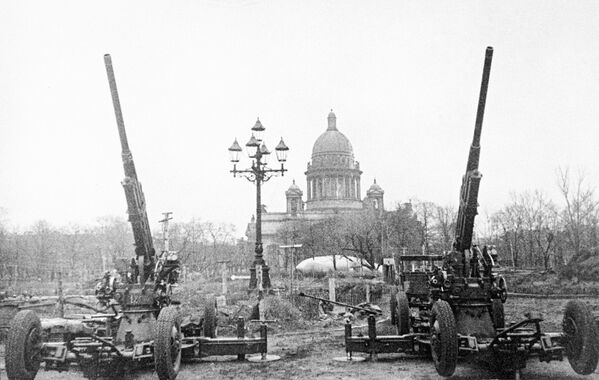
[[308, 353]]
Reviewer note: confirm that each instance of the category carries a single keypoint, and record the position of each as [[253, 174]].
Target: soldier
[[475, 261]]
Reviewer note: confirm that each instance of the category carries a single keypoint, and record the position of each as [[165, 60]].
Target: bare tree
[[403, 228], [44, 241], [316, 237], [190, 239], [221, 240], [540, 223], [510, 221], [426, 212], [73, 239], [580, 210], [362, 237], [445, 225], [114, 242]]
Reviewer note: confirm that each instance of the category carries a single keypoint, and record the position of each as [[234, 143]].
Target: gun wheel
[[210, 317], [581, 338], [167, 344], [444, 338], [24, 346], [402, 313], [393, 305]]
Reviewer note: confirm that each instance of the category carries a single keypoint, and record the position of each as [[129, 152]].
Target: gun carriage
[[452, 305], [141, 324]]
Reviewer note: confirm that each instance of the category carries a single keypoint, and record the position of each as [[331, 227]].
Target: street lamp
[[258, 173]]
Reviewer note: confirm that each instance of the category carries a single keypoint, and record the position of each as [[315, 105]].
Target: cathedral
[[332, 187]]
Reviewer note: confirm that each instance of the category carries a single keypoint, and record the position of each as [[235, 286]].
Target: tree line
[[531, 231], [536, 232], [84, 252]]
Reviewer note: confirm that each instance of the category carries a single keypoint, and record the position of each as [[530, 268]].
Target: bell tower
[[294, 199], [374, 197]]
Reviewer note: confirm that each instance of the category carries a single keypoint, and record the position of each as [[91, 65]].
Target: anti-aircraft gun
[[453, 304], [459, 288], [466, 314], [460, 276], [144, 327]]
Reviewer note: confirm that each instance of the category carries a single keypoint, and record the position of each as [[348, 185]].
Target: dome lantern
[[332, 121]]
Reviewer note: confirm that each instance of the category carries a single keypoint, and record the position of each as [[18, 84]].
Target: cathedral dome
[[333, 176], [332, 141]]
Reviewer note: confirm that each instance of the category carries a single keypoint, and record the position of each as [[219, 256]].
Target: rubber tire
[[24, 323], [497, 313], [446, 357], [167, 367], [402, 312], [393, 305], [583, 358], [210, 317]]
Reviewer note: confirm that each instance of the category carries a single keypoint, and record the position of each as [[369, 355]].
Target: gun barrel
[[373, 312], [136, 203], [116, 103], [473, 158], [471, 179]]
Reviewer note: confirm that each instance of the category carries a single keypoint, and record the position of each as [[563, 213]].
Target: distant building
[[333, 181]]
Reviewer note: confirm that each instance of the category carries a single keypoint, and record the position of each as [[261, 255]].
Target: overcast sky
[[402, 77]]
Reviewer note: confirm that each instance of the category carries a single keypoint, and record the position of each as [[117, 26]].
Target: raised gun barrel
[[368, 311], [136, 203], [471, 179]]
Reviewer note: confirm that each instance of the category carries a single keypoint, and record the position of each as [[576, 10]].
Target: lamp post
[[258, 173]]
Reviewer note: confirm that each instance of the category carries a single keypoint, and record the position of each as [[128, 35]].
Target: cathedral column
[[334, 187], [358, 188], [346, 179], [316, 190], [309, 196], [320, 188]]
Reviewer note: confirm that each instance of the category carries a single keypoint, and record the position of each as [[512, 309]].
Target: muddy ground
[[307, 353]]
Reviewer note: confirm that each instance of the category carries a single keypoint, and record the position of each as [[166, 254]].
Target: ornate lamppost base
[[265, 278]]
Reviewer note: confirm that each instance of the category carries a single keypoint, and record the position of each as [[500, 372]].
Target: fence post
[[60, 297], [224, 277], [332, 294]]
